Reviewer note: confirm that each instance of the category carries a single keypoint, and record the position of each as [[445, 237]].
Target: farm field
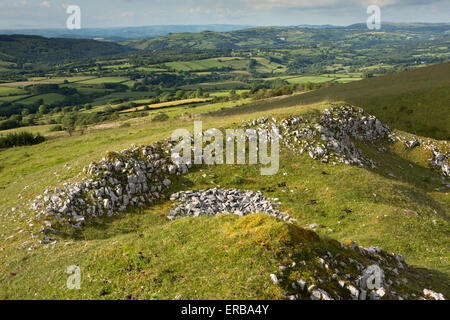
[[48, 98], [228, 85], [165, 104], [12, 98], [42, 80], [5, 91], [103, 80]]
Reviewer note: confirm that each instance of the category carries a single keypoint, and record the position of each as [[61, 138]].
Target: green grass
[[73, 79], [194, 65], [104, 80], [102, 101], [143, 255], [213, 63], [340, 78], [312, 79], [226, 93], [13, 98], [265, 66], [169, 104], [49, 98], [150, 69], [84, 90], [4, 91], [47, 80], [226, 85]]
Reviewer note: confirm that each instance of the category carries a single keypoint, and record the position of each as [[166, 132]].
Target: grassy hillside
[[34, 49], [141, 255], [267, 37], [415, 101]]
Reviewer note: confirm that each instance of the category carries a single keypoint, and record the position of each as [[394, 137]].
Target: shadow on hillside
[[432, 280], [412, 196], [396, 167], [415, 181]]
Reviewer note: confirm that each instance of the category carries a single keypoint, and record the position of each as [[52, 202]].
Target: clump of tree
[[38, 89], [56, 128], [20, 139], [262, 92]]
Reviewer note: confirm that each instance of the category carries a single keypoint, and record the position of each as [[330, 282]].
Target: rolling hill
[[123, 33], [415, 101], [266, 37], [35, 49]]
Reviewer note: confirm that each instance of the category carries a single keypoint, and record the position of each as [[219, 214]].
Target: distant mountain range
[[265, 37], [125, 33], [133, 33], [38, 49]]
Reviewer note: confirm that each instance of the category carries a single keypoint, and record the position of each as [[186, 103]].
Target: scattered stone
[[319, 294], [216, 201], [274, 279], [434, 295], [381, 292], [412, 143], [363, 294], [354, 293], [441, 161], [301, 283], [373, 295]]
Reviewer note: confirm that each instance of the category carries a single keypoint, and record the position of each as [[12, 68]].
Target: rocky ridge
[[329, 140], [131, 178], [439, 159]]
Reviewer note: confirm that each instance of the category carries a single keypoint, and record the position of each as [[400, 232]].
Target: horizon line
[[218, 24]]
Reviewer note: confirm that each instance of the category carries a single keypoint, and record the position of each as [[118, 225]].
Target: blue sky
[[110, 13]]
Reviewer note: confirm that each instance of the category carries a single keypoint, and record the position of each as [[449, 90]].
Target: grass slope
[[36, 49], [413, 101]]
